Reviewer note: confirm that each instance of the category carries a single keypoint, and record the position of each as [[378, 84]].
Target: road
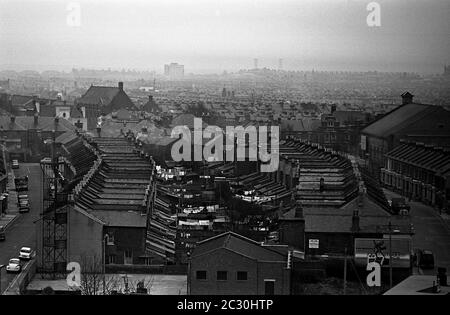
[[432, 233], [22, 232]]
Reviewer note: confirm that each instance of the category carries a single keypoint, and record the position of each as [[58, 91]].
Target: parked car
[[21, 183], [26, 253], [24, 206], [15, 164], [21, 197], [46, 160], [399, 205], [2, 233], [14, 265]]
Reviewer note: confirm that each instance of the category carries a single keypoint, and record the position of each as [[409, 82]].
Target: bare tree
[[91, 282], [94, 282]]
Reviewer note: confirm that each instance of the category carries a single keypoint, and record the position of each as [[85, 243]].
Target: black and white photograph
[[225, 155]]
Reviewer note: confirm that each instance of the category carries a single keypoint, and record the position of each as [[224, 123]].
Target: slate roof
[[239, 245], [121, 218], [397, 119], [99, 95], [27, 122], [424, 156], [372, 219], [20, 100], [305, 124]]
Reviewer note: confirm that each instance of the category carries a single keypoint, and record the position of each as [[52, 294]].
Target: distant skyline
[[212, 36]]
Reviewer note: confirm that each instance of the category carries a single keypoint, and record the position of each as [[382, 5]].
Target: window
[[111, 259], [128, 257], [241, 275], [147, 261], [222, 275], [201, 274]]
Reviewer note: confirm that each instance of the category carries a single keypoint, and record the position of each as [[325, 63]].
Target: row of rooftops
[[24, 123], [115, 192], [429, 157]]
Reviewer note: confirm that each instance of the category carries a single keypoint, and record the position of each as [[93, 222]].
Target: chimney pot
[[407, 98]]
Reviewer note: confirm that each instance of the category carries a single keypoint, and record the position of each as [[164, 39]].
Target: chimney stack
[[407, 98], [121, 86], [333, 109], [99, 131], [13, 119]]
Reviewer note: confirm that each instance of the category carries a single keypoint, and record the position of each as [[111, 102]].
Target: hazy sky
[[217, 35]]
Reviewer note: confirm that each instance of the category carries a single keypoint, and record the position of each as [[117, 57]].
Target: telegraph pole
[[345, 271], [390, 255]]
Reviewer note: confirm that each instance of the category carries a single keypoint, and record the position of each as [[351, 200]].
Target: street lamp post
[[105, 237]]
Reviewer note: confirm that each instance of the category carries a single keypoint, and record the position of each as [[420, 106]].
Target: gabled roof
[[340, 220], [397, 119], [102, 95], [240, 245]]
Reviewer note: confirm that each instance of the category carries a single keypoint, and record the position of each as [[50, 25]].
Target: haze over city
[[214, 36]]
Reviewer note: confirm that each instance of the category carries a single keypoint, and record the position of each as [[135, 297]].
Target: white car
[[14, 265], [26, 253], [15, 164], [46, 160]]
